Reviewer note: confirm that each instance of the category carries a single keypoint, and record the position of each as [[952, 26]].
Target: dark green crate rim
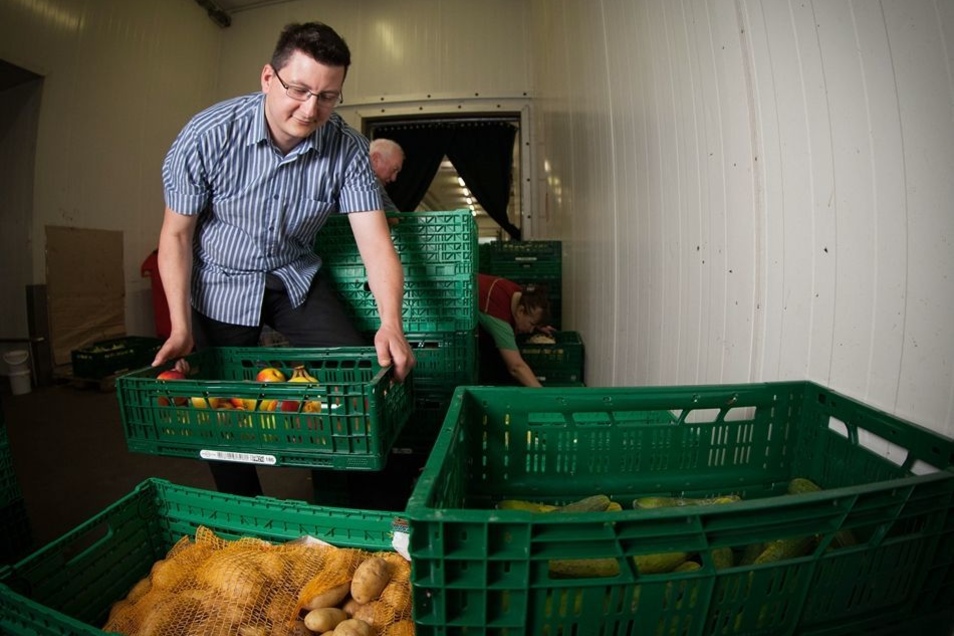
[[136, 352], [367, 410], [522, 251], [67, 586], [481, 570]]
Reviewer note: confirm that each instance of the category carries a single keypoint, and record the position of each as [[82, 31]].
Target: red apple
[[270, 374], [171, 374]]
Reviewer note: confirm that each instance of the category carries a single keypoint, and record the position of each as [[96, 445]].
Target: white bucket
[[17, 360], [20, 382]]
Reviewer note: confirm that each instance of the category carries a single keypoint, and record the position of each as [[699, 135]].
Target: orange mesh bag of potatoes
[[248, 587]]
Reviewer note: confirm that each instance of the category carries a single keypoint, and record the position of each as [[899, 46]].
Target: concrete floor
[[71, 461]]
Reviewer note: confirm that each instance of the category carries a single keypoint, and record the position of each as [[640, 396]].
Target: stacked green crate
[[15, 534], [438, 251], [559, 363], [526, 262]]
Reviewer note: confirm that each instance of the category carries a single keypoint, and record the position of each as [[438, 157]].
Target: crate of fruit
[[320, 408], [554, 359], [735, 509], [178, 560], [116, 355]]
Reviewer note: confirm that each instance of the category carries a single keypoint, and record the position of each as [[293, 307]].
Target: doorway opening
[[454, 162]]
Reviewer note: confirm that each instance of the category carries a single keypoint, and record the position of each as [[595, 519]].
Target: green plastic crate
[[429, 244], [16, 535], [116, 355], [421, 432], [558, 363], [430, 305], [9, 486], [445, 360], [478, 570], [438, 253], [68, 586], [362, 411], [503, 252]]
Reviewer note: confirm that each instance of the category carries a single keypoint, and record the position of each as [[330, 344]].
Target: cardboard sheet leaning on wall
[[85, 288]]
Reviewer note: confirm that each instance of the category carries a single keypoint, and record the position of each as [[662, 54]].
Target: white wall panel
[[399, 49], [779, 196], [120, 79]]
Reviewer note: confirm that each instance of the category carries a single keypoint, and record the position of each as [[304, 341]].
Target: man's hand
[[175, 347], [393, 349]]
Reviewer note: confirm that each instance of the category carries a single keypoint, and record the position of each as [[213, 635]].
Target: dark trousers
[[321, 321]]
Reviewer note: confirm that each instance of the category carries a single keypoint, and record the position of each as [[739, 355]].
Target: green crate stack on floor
[[526, 262], [438, 251], [15, 534]]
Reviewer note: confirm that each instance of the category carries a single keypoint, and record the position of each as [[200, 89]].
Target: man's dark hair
[[315, 39]]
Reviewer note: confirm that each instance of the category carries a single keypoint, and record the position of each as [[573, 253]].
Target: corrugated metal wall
[[746, 190], [755, 191]]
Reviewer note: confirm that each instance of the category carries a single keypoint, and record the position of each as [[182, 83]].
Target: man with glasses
[[248, 183]]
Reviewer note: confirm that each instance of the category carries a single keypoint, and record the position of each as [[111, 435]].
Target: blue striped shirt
[[259, 210]]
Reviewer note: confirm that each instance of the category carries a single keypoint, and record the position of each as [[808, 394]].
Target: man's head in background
[[387, 158]]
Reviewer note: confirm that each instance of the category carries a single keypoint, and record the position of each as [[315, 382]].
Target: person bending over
[[504, 310]]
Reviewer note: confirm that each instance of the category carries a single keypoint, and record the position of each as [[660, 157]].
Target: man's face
[[387, 166], [290, 120]]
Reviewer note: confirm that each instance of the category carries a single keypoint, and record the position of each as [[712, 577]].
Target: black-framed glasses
[[301, 94]]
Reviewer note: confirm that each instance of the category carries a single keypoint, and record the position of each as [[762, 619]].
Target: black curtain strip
[[481, 151]]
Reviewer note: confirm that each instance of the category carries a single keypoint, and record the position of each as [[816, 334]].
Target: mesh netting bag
[[211, 586]]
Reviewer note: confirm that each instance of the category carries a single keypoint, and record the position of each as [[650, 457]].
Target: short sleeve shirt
[[494, 309], [259, 210]]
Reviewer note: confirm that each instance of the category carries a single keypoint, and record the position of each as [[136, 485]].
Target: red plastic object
[[150, 269]]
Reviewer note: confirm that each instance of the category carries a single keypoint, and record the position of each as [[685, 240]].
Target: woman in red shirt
[[504, 310]]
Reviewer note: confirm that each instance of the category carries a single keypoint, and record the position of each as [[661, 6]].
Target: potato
[[376, 613], [353, 627], [139, 589], [401, 628], [329, 598], [397, 594], [369, 579], [350, 605], [324, 619]]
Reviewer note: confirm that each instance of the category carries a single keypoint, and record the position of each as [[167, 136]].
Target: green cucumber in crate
[[556, 445]]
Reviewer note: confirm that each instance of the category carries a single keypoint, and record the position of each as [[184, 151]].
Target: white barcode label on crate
[[245, 458]]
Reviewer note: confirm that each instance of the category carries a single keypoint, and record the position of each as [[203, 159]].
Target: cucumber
[[594, 503], [782, 549], [529, 506], [801, 485], [723, 558], [750, 553], [583, 568], [659, 563], [670, 502]]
